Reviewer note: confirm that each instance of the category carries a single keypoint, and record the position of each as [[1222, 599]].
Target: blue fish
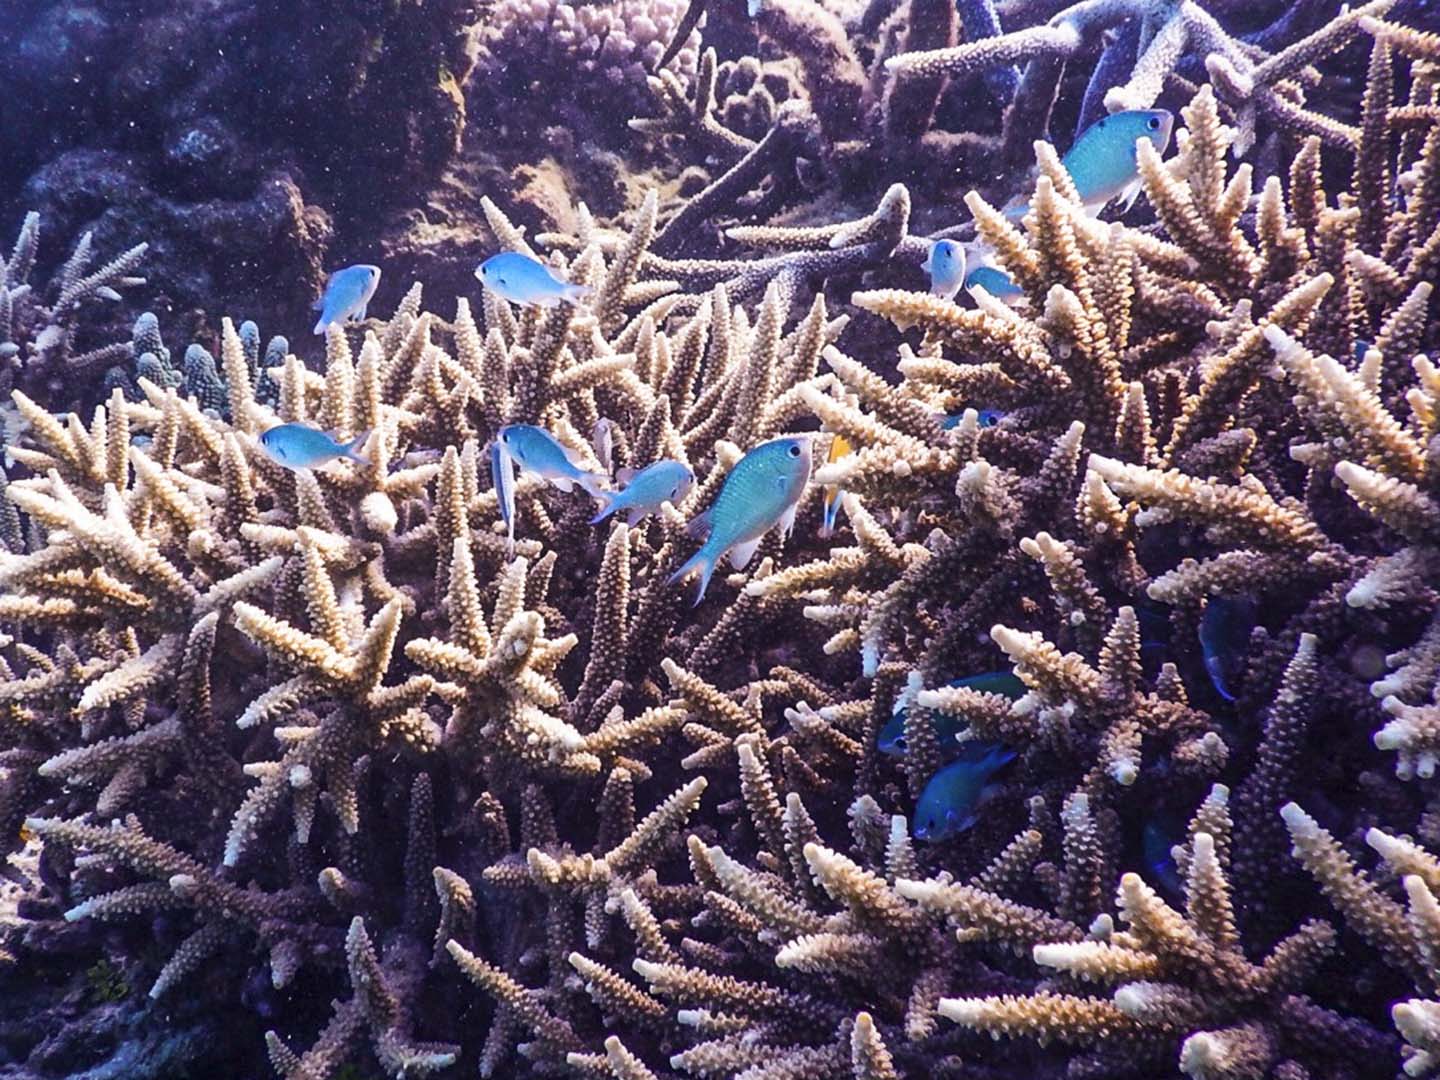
[[761, 491], [986, 418], [347, 295], [535, 450], [1225, 639], [1102, 162], [951, 801], [945, 263], [1361, 348], [300, 446], [994, 281], [502, 478], [522, 280], [1155, 844], [1154, 633], [665, 481], [891, 739]]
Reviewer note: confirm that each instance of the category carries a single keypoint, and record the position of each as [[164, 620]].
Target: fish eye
[[505, 437], [1153, 123], [795, 451], [900, 742], [501, 280]]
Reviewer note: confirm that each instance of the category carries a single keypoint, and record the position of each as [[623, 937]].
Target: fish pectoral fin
[[1129, 195], [563, 483], [787, 520], [699, 526], [359, 316], [741, 554]]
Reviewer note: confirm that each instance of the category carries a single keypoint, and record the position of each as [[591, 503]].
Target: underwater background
[[654, 539]]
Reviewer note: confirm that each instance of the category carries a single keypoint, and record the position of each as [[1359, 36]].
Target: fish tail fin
[[352, 447], [608, 501], [593, 483], [704, 562], [573, 294]]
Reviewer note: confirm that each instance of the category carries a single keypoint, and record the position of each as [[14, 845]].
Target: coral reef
[[425, 802], [45, 330]]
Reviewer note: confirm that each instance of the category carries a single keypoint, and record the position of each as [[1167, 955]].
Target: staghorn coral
[[44, 328], [524, 812]]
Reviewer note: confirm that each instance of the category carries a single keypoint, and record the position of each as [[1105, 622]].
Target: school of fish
[[764, 488]]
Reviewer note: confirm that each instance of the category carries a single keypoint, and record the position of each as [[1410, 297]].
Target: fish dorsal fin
[[741, 554], [699, 526]]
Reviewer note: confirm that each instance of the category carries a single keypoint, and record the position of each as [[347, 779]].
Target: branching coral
[[42, 327], [517, 808]]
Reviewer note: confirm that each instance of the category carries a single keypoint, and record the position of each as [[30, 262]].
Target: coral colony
[[1096, 738]]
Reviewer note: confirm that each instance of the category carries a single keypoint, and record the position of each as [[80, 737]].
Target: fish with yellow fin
[[839, 447]]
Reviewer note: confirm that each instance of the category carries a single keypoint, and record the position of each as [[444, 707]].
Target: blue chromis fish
[[761, 491], [1225, 639], [891, 739], [986, 418], [502, 478], [522, 280], [1102, 161], [951, 801], [535, 450], [996, 282], [665, 481], [1156, 841], [839, 447], [300, 446], [347, 295], [945, 263]]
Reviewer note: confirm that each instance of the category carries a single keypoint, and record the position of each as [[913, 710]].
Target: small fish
[[761, 491], [347, 295], [891, 739], [665, 481], [1361, 348], [986, 418], [300, 446], [996, 282], [502, 478], [1102, 162], [1154, 634], [535, 450], [522, 280], [839, 447], [945, 263], [1156, 840], [951, 801], [1225, 639]]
